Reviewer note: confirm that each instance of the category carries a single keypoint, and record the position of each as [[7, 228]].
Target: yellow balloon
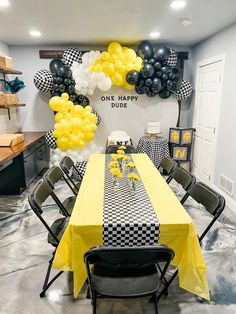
[[137, 67], [130, 55], [56, 133], [65, 96], [54, 103], [139, 60], [88, 137], [105, 55], [108, 67], [97, 68], [128, 86], [74, 138], [63, 143], [93, 127], [88, 109], [81, 143], [118, 64], [117, 79], [129, 67], [58, 116], [113, 57], [69, 105], [114, 48]]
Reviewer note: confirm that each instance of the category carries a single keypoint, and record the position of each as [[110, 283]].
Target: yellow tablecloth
[[176, 228]]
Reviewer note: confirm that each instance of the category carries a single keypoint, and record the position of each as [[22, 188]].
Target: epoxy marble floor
[[24, 254]]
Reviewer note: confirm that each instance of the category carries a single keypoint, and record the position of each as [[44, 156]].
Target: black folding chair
[[167, 165], [112, 149], [213, 202], [67, 165], [37, 197], [184, 178], [127, 272], [52, 176]]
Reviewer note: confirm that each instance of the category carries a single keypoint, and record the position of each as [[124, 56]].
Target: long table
[[85, 228]]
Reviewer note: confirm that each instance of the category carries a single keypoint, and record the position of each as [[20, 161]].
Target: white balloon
[[105, 84]]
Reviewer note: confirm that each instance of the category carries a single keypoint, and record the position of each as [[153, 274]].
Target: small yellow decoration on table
[[120, 152], [113, 164], [133, 177], [122, 147], [130, 165], [116, 174]]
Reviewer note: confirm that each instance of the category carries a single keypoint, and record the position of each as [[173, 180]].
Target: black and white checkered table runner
[[128, 219], [156, 149]]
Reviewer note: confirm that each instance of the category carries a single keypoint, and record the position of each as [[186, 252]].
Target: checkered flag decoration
[[43, 80], [80, 170], [98, 117], [185, 90], [172, 59], [70, 55], [50, 139]]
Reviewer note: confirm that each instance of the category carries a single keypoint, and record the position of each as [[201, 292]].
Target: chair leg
[[94, 304], [165, 289], [47, 284], [155, 303]]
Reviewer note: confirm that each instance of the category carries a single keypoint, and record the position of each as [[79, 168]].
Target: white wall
[[6, 125], [37, 116], [224, 41]]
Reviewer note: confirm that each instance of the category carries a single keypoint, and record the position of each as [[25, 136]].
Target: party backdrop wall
[[38, 116]]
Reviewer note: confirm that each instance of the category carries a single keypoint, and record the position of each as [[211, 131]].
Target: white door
[[206, 116]]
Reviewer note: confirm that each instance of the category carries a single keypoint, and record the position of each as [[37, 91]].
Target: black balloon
[[151, 93], [146, 61], [61, 88], [152, 60], [55, 64], [141, 83], [148, 82], [145, 50], [164, 93], [162, 54], [166, 69], [132, 77], [82, 100], [164, 77], [147, 70], [157, 65], [64, 71], [67, 81], [139, 90], [145, 89], [156, 84], [159, 74]]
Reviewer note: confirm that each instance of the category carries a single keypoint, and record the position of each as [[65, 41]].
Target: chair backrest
[[66, 164], [53, 175], [213, 202], [129, 256], [168, 164], [37, 196], [183, 177], [112, 149]]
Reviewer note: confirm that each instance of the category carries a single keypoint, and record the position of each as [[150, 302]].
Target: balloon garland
[[149, 71]]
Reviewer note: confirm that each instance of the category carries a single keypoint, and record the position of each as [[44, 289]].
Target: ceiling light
[[186, 22], [154, 34], [178, 4], [4, 3], [35, 33]]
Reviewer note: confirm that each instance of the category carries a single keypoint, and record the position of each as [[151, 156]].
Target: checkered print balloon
[[172, 59], [98, 117], [43, 80], [70, 55], [50, 139], [185, 90], [80, 170]]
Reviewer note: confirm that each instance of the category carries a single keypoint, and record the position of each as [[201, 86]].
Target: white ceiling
[[91, 22]]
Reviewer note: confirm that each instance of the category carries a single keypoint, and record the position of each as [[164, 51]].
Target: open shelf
[[11, 106], [9, 71], [8, 107]]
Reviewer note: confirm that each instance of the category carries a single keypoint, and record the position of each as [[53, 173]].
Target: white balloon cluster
[[76, 154], [86, 81]]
